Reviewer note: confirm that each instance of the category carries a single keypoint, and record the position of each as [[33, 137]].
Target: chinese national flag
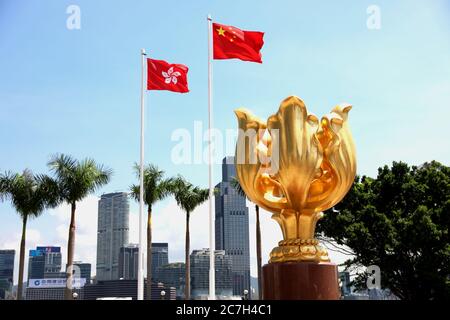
[[162, 75], [230, 42]]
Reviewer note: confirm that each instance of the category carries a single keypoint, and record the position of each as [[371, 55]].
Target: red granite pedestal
[[300, 281]]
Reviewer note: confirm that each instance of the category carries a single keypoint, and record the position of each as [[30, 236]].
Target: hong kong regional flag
[[230, 42], [162, 75]]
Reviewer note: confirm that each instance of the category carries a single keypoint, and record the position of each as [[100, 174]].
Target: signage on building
[[55, 283], [49, 249], [40, 251]]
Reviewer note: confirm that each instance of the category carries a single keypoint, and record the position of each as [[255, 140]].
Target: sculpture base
[[300, 281]]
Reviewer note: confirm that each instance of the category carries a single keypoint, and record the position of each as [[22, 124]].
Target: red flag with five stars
[[162, 75], [233, 43]]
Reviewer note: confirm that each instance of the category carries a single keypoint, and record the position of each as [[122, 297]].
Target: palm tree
[[30, 195], [237, 186], [155, 189], [188, 198], [76, 180]]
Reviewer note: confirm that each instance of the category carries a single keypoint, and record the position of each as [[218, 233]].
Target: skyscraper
[[232, 229], [160, 257], [344, 276], [36, 264], [112, 233], [6, 271], [84, 270], [128, 262], [44, 262], [52, 263], [200, 274], [173, 275]]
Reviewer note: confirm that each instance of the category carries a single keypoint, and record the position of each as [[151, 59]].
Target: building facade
[[160, 257], [344, 278], [83, 270], [50, 293], [112, 233], [232, 227], [125, 289], [6, 272], [200, 274], [44, 262], [128, 262], [52, 289], [173, 275]]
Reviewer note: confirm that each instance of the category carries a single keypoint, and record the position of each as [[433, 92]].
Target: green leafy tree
[[236, 185], [30, 195], [76, 180], [398, 221], [188, 198], [156, 188]]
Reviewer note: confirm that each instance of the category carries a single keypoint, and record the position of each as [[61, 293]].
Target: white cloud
[[168, 225], [86, 230], [12, 241]]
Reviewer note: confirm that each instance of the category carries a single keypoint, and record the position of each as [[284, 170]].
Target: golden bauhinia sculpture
[[296, 166]]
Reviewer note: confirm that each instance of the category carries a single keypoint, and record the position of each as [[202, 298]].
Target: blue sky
[[78, 91]]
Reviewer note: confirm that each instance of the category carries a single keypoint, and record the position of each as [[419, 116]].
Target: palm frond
[[49, 190], [187, 196], [134, 192], [237, 186], [5, 184], [156, 188], [76, 179], [29, 194]]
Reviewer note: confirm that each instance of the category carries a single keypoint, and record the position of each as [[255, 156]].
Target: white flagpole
[[141, 257], [212, 287]]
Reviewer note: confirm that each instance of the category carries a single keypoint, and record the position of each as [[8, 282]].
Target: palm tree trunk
[[22, 258], [187, 289], [258, 252], [70, 250], [149, 253]]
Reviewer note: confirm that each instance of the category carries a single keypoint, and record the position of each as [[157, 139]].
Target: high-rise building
[[6, 272], [128, 262], [160, 257], [112, 233], [173, 275], [200, 274], [44, 262], [84, 270], [36, 262], [344, 277], [53, 257], [232, 227]]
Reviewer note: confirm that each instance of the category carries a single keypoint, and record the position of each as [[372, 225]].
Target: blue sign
[[49, 249]]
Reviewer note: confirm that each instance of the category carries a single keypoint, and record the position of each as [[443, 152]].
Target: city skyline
[[395, 86]]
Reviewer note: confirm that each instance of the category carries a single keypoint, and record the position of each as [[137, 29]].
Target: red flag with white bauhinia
[[162, 75]]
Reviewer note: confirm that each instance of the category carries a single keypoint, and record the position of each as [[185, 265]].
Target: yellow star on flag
[[221, 31]]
